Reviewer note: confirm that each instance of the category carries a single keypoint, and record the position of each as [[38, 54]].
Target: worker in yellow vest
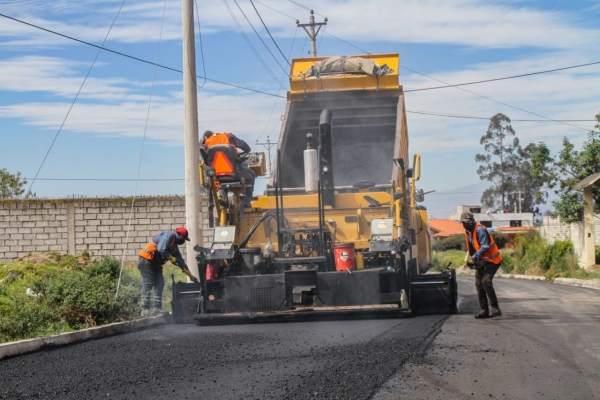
[[160, 249], [485, 258], [211, 139]]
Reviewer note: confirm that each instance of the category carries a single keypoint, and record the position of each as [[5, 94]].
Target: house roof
[[445, 227], [515, 229]]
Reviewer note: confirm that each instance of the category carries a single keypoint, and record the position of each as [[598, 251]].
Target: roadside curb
[[591, 284], [62, 339], [526, 277]]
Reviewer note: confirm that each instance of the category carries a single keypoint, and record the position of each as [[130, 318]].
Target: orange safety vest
[[217, 138], [493, 254], [150, 248]]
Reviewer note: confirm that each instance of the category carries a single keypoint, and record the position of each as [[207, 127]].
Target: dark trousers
[[249, 177], [152, 283], [484, 285]]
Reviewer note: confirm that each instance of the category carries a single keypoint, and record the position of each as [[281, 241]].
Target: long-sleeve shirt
[[163, 250], [483, 237]]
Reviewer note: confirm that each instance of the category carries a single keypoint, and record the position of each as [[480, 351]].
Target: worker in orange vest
[[211, 139], [485, 258], [160, 249]]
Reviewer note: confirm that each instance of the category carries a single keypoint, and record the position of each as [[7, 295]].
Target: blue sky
[[453, 41]]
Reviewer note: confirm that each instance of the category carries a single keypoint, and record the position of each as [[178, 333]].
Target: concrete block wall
[[99, 226], [553, 229]]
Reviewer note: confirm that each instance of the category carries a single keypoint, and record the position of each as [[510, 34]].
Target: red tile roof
[[515, 229], [445, 227]]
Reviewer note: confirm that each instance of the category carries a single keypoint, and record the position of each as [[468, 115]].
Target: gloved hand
[[190, 275], [172, 260], [471, 263]]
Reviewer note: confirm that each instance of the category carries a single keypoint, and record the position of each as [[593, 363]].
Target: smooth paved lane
[[545, 346]]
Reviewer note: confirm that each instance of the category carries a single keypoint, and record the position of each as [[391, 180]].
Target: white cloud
[[475, 23]]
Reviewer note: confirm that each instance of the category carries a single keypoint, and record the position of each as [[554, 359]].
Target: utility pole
[[193, 206], [312, 34], [519, 192], [268, 146]]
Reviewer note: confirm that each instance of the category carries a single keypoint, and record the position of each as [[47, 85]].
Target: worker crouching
[[162, 248], [485, 258]]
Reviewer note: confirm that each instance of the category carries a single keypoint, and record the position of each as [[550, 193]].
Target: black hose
[[255, 226]]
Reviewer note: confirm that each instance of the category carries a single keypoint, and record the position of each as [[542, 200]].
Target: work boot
[[158, 311], [495, 312], [146, 313], [482, 314]]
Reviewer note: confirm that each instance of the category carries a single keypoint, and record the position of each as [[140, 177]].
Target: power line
[[277, 11], [259, 37], [201, 47], [435, 114], [505, 78], [76, 97], [273, 39], [108, 179], [249, 42], [348, 43], [133, 57], [306, 8], [495, 101]]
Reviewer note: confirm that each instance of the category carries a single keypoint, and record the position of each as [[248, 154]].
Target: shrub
[[597, 254], [508, 262], [501, 239], [49, 294], [454, 242]]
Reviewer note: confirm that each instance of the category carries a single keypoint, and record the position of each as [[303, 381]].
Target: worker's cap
[[466, 217], [208, 134], [181, 231]]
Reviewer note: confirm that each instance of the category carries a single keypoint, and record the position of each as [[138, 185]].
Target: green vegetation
[[457, 242], [566, 169], [52, 293], [531, 256]]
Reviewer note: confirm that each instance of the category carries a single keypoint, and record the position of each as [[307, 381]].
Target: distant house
[[505, 222], [441, 228]]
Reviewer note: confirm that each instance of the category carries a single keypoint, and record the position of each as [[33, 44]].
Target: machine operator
[[211, 139], [485, 258]]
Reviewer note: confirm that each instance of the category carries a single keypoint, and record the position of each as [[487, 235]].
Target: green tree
[[566, 169], [507, 165], [11, 185]]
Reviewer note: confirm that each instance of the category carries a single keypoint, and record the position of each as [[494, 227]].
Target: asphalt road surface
[[546, 346]]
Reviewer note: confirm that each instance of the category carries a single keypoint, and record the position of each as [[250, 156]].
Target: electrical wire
[[108, 179], [348, 43], [495, 101], [69, 110], [278, 91], [505, 78], [306, 8], [249, 42], [435, 114], [201, 47], [75, 99], [267, 29], [133, 57], [259, 37], [277, 11], [141, 152]]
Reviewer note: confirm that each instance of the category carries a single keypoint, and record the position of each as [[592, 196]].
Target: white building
[[495, 219]]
